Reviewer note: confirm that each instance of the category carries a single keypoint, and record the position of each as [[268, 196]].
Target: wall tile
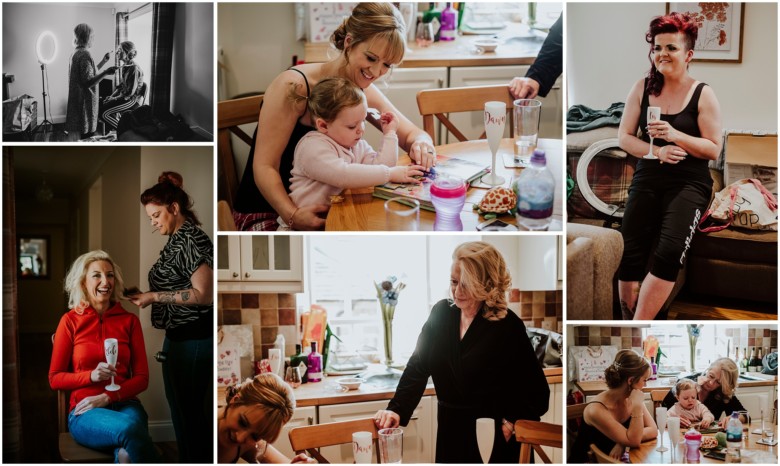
[[514, 295], [287, 317], [219, 316], [526, 310], [250, 316], [231, 316], [605, 331], [549, 296], [549, 309], [538, 309], [269, 317], [526, 296], [231, 301], [269, 301], [250, 301], [538, 296], [287, 300], [268, 334]]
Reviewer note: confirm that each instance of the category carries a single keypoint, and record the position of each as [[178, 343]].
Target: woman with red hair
[[669, 194]]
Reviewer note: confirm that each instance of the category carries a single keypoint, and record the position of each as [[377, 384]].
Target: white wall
[[258, 41], [531, 259], [606, 53], [23, 22], [192, 90], [195, 165]]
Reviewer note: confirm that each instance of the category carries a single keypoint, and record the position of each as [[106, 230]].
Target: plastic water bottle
[[448, 194], [535, 190], [734, 439]]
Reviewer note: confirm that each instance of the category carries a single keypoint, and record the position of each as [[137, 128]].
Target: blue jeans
[[118, 425], [188, 373]]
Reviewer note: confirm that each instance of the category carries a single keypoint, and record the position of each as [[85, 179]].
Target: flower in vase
[[694, 330], [388, 292]]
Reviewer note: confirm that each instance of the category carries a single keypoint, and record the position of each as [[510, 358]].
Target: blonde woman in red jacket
[[99, 418]]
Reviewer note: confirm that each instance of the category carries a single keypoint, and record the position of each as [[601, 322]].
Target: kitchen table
[[361, 211], [646, 453]]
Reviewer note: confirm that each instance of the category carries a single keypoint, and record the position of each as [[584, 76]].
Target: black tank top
[[686, 121], [249, 199], [588, 435]]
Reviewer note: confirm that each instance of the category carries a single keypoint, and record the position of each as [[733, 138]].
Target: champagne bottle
[[760, 362], [754, 363], [743, 363]]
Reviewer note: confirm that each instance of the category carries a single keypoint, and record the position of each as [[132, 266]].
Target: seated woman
[[617, 418], [129, 90], [254, 415], [716, 387], [99, 418]]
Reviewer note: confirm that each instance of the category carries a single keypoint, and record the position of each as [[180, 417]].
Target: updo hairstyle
[[671, 23], [373, 21], [169, 190], [271, 394], [627, 365]]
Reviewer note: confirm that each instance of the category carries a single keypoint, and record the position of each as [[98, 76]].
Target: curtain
[[163, 17], [12, 417], [121, 36]]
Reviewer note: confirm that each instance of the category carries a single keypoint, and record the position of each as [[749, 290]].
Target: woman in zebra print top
[[181, 284]]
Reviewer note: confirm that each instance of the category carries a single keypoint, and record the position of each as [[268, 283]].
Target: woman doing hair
[[169, 190], [627, 365], [272, 394], [669, 24], [82, 35], [485, 276], [74, 281]]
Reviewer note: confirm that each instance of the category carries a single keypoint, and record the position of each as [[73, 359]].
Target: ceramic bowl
[[487, 45], [350, 383]]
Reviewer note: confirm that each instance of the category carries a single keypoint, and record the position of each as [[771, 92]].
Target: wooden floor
[[39, 404], [696, 307]]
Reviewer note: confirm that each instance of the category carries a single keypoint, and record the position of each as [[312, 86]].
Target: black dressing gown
[[492, 372]]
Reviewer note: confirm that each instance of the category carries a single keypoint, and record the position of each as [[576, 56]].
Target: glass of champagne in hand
[[111, 346], [653, 114]]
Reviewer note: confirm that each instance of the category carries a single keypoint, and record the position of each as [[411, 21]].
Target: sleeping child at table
[[335, 157], [688, 405]]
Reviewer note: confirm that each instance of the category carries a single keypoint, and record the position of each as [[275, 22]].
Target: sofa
[[732, 263], [592, 258]]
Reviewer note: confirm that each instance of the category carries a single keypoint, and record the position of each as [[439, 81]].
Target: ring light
[[582, 177], [38, 44]]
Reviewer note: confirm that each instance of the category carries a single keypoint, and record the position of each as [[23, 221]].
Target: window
[[713, 343], [139, 31]]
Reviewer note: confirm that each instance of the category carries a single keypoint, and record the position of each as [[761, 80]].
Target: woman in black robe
[[481, 362]]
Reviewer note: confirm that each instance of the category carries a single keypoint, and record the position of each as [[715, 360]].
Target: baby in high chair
[[335, 156], [688, 405]]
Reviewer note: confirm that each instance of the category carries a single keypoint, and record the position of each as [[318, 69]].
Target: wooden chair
[[225, 217], [309, 438], [534, 435], [438, 102], [601, 457], [231, 114], [658, 397], [70, 451]]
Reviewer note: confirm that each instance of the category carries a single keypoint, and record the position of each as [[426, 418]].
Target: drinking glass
[[391, 445], [424, 35], [362, 447], [111, 346], [653, 113], [660, 418], [527, 115], [673, 424], [275, 359], [402, 214], [495, 120], [746, 424], [486, 429], [293, 376]]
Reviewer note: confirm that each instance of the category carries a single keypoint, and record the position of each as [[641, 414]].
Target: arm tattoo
[[167, 297], [185, 296]]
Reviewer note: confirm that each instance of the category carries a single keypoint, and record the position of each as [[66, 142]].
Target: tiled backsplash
[[765, 338], [541, 309], [622, 337], [269, 314]]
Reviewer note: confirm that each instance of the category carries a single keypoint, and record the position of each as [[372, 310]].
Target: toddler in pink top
[[688, 404], [335, 157]]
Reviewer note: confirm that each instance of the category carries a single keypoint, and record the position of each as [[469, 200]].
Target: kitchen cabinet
[[306, 416], [260, 263], [402, 87], [756, 399], [472, 124], [418, 447]]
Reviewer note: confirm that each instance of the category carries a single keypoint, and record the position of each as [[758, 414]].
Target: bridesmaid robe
[[492, 372]]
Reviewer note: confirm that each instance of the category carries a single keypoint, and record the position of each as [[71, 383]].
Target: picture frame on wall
[[720, 29]]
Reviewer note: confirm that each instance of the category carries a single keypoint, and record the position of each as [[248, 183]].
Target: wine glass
[[660, 417], [486, 429], [495, 120], [653, 113], [673, 424], [111, 345]]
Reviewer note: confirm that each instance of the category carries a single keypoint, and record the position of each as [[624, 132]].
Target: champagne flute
[[486, 431], [495, 120], [111, 346], [653, 113], [660, 417], [673, 424]]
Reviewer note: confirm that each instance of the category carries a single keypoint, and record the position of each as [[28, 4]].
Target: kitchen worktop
[[665, 383], [328, 392], [518, 48]]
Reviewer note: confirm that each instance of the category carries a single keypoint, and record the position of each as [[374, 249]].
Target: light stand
[[45, 121]]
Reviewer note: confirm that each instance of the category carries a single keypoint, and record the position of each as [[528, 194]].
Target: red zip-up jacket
[[78, 348]]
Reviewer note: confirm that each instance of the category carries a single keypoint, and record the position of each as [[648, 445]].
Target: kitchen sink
[[387, 378]]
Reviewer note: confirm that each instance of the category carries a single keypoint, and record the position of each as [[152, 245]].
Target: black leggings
[[666, 206]]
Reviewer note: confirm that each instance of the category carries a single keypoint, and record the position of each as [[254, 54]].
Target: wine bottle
[[743, 363], [449, 23], [433, 16], [297, 359], [315, 364], [754, 363], [760, 362]]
